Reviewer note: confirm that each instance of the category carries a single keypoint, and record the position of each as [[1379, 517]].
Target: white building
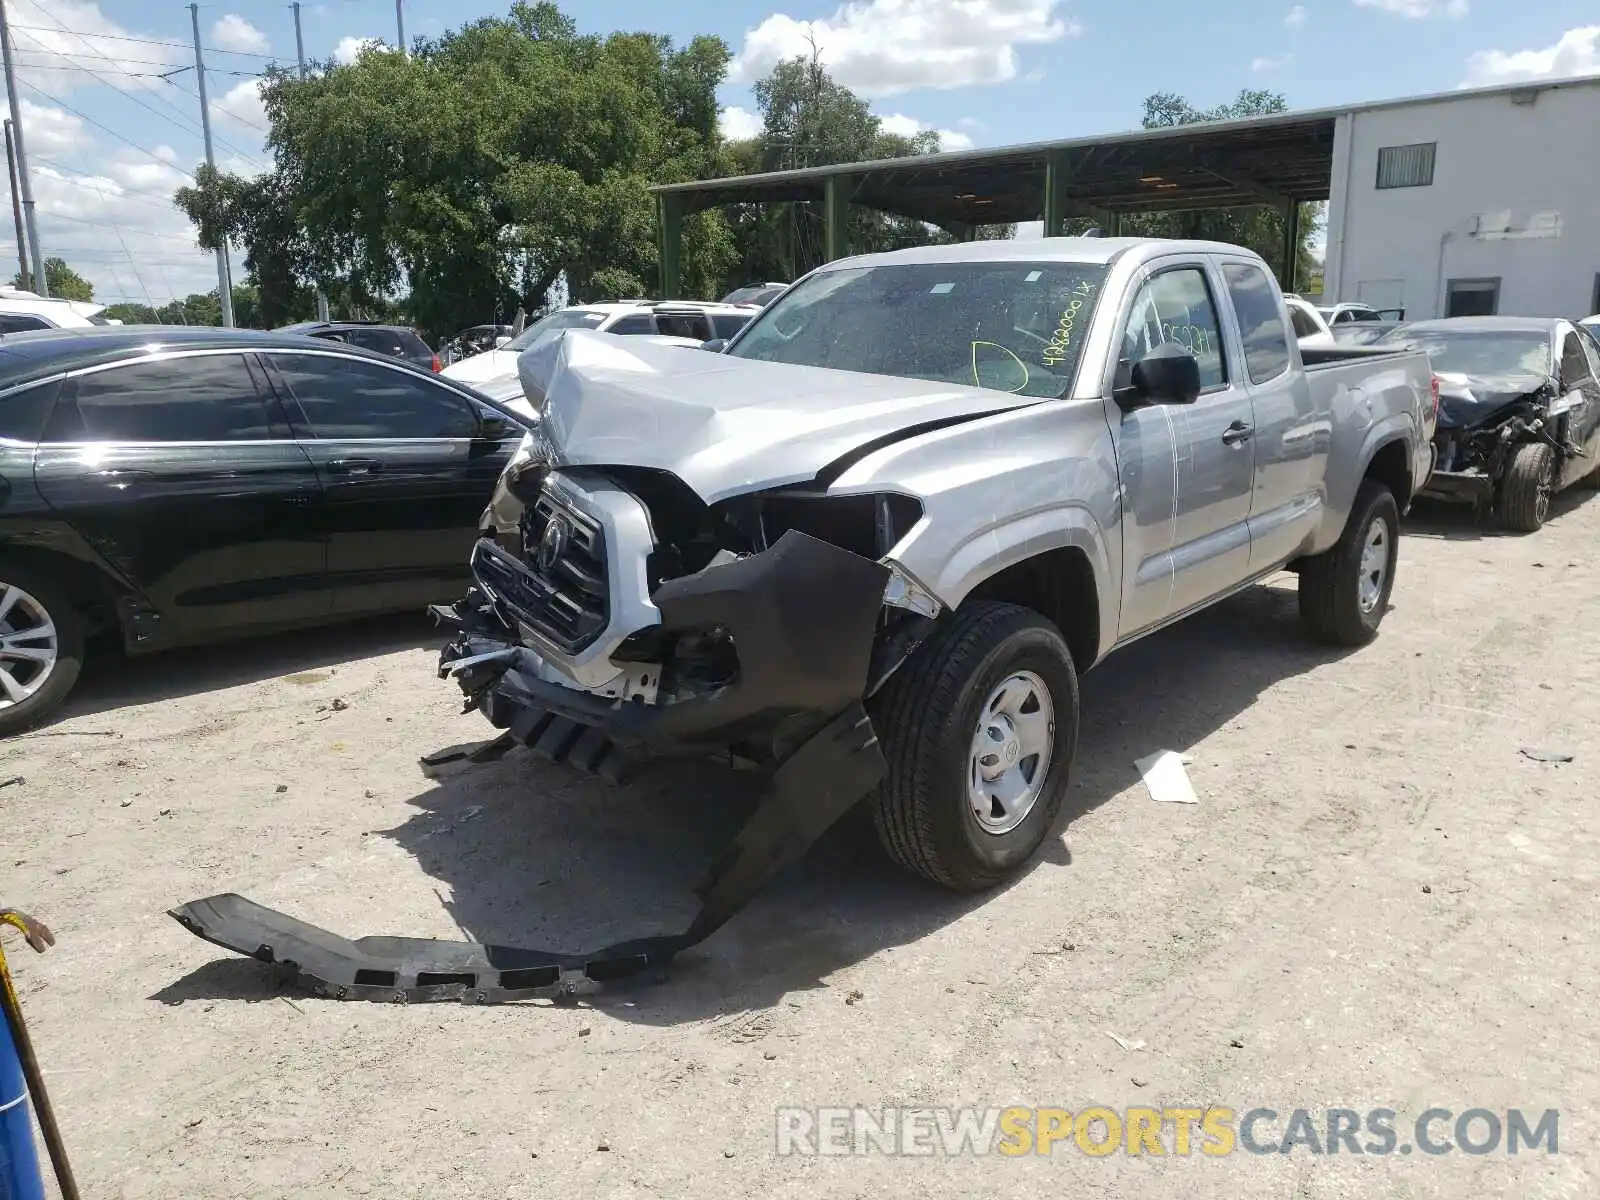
[[1476, 202]]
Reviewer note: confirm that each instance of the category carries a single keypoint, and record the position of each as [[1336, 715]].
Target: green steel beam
[[1291, 244], [1057, 208], [837, 205], [670, 232]]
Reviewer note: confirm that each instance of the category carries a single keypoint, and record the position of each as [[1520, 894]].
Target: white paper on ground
[[1165, 777]]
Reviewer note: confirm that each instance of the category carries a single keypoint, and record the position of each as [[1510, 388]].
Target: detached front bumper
[[801, 618], [1473, 486]]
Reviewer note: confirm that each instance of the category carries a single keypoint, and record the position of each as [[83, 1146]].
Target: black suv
[[394, 340], [176, 486]]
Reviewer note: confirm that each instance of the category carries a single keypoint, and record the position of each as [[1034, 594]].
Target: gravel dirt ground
[[1378, 902]]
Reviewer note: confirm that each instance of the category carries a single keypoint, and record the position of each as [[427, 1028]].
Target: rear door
[[1580, 373], [405, 469], [181, 470], [1291, 425]]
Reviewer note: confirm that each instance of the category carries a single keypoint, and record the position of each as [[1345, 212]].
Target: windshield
[[1481, 353], [1007, 326], [565, 318]]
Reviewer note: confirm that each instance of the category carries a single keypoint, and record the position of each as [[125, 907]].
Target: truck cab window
[[1260, 310], [1175, 306]]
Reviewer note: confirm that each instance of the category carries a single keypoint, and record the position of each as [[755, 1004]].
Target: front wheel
[[979, 729], [41, 646], [1529, 484], [1344, 591]]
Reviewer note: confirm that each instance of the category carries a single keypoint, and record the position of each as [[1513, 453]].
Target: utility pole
[[16, 207], [400, 22], [40, 283], [300, 58], [224, 283], [299, 42]]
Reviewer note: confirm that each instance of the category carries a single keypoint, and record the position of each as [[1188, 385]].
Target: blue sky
[[109, 138]]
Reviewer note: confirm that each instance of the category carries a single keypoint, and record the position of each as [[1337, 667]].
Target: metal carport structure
[[1280, 160]]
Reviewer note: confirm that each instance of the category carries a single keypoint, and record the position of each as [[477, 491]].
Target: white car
[[1341, 314], [23, 312], [1310, 330], [681, 322]]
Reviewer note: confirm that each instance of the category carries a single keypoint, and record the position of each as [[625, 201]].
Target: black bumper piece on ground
[[801, 615], [813, 788]]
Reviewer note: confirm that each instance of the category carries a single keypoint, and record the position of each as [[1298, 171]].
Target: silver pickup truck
[[874, 542]]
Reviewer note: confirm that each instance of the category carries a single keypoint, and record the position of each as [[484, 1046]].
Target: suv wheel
[[41, 646], [1344, 591], [979, 729]]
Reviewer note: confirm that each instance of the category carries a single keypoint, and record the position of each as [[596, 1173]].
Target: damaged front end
[[616, 617], [1482, 423]]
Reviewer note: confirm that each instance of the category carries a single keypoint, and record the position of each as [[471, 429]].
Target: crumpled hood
[[1469, 400], [724, 425]]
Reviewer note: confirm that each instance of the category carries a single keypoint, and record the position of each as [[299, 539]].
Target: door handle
[[124, 477], [355, 466], [1239, 431]]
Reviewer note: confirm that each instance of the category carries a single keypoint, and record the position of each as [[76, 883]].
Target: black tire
[[927, 717], [41, 592], [1331, 607], [1524, 500]]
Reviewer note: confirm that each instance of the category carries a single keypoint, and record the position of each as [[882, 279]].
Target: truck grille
[[559, 586]]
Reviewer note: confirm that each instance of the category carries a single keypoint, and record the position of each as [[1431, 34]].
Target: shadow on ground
[[1458, 522], [113, 680], [537, 857]]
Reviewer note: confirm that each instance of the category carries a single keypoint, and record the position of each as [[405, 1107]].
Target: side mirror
[[496, 428], [1169, 374], [501, 341], [715, 345]]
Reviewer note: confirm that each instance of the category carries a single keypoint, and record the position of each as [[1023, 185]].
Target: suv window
[[1304, 326], [194, 398], [1175, 306], [22, 413], [400, 343], [639, 323], [348, 398], [725, 325], [22, 323], [1257, 302], [684, 325]]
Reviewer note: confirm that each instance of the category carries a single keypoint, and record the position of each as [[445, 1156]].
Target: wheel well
[[90, 589], [1058, 584], [1390, 467]]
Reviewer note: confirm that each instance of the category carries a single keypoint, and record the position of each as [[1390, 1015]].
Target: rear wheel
[[41, 646], [1527, 488], [1344, 591], [979, 729]]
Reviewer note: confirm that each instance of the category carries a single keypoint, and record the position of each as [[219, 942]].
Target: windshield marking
[[1061, 341]]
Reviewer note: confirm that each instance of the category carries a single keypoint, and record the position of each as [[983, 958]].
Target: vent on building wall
[[1406, 166]]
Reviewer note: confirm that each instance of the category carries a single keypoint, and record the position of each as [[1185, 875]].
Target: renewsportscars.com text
[[1212, 1132]]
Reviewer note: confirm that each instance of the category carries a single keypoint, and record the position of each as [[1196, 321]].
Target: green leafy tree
[[809, 120], [475, 172], [1258, 227], [65, 283]]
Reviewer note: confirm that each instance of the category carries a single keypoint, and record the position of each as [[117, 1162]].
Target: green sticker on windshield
[[1061, 340]]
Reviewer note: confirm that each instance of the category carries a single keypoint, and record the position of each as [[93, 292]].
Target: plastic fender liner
[[806, 795]]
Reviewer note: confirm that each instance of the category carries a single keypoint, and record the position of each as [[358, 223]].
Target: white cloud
[[1417, 10], [349, 49], [233, 32], [117, 227], [737, 123], [1576, 52], [881, 47], [1270, 64], [66, 45], [242, 105], [1295, 17], [901, 125], [51, 130]]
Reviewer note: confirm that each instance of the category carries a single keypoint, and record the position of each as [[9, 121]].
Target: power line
[[105, 128], [170, 237], [227, 145], [134, 62], [112, 37], [83, 180]]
